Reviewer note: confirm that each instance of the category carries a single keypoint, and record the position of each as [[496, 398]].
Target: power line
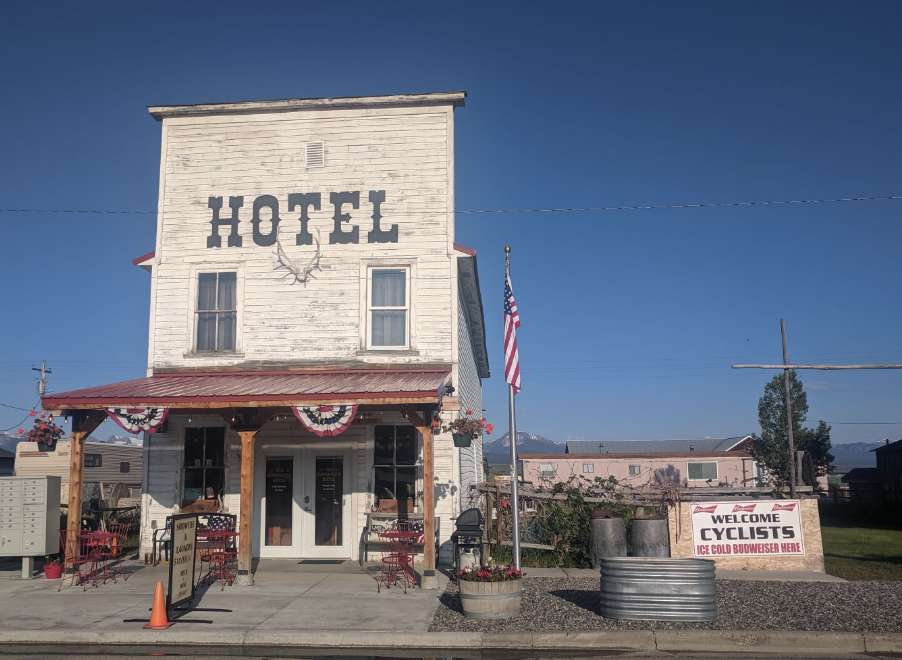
[[21, 421], [12, 407], [534, 210], [865, 423]]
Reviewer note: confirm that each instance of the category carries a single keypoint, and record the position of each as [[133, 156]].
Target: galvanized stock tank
[[658, 589]]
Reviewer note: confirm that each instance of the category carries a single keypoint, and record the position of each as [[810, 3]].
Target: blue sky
[[630, 319]]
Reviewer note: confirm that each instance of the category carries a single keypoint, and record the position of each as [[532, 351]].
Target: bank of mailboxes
[[29, 516]]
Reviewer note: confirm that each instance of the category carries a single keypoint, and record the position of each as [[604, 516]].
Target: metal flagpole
[[512, 411], [515, 496]]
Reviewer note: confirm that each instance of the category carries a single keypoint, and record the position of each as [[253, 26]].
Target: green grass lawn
[[863, 553]]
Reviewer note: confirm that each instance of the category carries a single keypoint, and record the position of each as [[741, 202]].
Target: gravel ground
[[563, 604]]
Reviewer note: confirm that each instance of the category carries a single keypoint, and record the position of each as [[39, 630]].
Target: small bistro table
[[397, 565]]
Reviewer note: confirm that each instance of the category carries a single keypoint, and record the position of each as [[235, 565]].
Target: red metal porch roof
[[213, 389]]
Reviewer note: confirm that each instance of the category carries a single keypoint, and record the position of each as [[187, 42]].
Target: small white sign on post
[[748, 528]]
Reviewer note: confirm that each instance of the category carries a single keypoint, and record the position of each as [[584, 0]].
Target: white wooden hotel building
[[311, 318]]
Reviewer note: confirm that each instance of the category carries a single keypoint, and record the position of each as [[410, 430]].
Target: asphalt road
[[47, 652]]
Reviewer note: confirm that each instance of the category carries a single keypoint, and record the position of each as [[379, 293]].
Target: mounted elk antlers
[[298, 274]]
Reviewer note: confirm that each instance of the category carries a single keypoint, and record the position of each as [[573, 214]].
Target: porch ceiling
[[225, 389]]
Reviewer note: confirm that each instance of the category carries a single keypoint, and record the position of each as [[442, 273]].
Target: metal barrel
[[649, 538], [658, 589], [608, 539]]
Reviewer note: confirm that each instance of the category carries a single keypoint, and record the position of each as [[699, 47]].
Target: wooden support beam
[[83, 424], [421, 422], [429, 579], [245, 533]]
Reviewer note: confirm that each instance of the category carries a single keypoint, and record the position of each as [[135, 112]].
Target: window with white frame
[[702, 471], [588, 468], [389, 313], [546, 470], [635, 470], [216, 313]]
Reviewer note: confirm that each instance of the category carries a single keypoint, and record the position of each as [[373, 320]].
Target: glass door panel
[[279, 501], [329, 491]]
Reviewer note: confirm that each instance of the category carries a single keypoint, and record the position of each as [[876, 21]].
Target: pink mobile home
[[692, 463]]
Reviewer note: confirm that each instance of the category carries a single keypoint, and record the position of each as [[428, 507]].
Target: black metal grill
[[469, 530]]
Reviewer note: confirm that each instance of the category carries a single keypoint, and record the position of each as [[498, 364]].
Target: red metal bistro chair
[[397, 564]]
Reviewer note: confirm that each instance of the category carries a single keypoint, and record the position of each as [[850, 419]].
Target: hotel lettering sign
[[224, 222], [750, 528], [181, 567]]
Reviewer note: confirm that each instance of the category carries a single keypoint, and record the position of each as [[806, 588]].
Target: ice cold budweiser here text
[[762, 527]]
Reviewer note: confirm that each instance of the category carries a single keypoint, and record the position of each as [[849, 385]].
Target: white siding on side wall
[[469, 394]]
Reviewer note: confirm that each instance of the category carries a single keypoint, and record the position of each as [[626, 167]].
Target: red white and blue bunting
[[134, 420], [326, 420]]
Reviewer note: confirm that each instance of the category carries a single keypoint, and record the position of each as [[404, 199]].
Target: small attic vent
[[315, 154]]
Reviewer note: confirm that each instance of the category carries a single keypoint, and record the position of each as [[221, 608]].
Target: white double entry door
[[303, 502]]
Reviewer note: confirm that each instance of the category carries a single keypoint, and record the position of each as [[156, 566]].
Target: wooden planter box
[[490, 600]]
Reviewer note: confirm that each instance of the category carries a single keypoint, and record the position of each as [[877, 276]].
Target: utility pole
[[42, 380], [789, 434], [786, 367]]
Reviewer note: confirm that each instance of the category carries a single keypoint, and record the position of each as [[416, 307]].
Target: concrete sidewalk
[[288, 595]]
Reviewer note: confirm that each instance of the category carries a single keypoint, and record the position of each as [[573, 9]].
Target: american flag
[[511, 323]]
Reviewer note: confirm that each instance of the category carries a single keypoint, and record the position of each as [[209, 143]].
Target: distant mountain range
[[498, 451], [854, 455]]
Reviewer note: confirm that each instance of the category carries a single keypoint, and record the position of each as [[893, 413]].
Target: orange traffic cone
[[158, 619]]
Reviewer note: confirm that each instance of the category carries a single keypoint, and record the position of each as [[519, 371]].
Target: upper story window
[[216, 312], [702, 471], [94, 460], [389, 308]]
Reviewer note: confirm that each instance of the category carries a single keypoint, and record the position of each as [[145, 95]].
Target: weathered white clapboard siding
[[404, 151], [469, 394], [33, 463]]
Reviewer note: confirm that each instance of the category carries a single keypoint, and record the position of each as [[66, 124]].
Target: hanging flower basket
[[465, 429], [462, 439], [46, 434]]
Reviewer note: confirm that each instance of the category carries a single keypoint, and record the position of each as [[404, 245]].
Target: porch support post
[[425, 429], [245, 527], [83, 424]]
